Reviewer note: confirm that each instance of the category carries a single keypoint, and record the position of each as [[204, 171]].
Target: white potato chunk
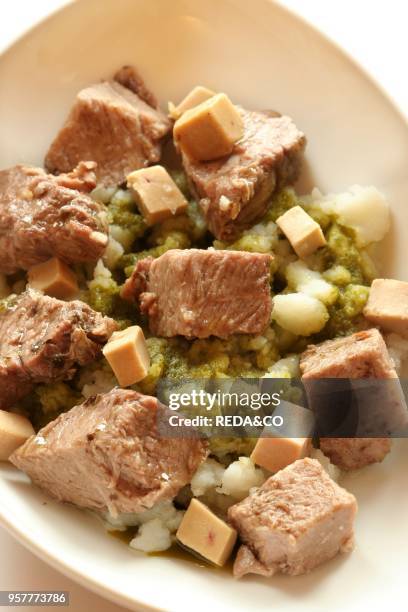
[[363, 209], [101, 271], [152, 536], [239, 477], [299, 313], [165, 511], [285, 368], [113, 253], [321, 290], [303, 279], [123, 235], [208, 476]]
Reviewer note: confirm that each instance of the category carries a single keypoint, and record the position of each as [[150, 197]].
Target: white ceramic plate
[[263, 57]]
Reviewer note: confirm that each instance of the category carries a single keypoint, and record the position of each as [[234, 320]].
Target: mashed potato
[[362, 209], [304, 280], [299, 313], [220, 486], [113, 253], [97, 378], [285, 368], [156, 526], [208, 476], [240, 477], [152, 536]]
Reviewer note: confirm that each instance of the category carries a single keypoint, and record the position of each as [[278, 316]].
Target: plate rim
[[40, 551], [6, 520]]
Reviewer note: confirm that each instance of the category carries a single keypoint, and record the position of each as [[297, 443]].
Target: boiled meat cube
[[234, 191], [200, 293], [42, 216], [113, 126], [106, 454], [298, 519], [43, 340], [362, 355]]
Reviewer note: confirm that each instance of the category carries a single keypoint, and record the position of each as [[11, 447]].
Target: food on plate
[[111, 125], [363, 209], [298, 519], [45, 340], [311, 282], [195, 97], [234, 191], [54, 278], [129, 77], [15, 429], [300, 313], [127, 354], [303, 233], [355, 453], [276, 453], [42, 216], [387, 305], [197, 293], [156, 194], [210, 130], [361, 355], [177, 248], [206, 534], [106, 454]]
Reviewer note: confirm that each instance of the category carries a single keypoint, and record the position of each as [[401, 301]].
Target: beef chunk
[[81, 178], [106, 454], [361, 355], [113, 126], [129, 77], [200, 293], [42, 216], [354, 453], [43, 339], [298, 519], [246, 563], [233, 191]]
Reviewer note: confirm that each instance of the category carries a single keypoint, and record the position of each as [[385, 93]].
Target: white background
[[374, 33]]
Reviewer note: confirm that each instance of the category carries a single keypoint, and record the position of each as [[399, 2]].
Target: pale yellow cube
[[387, 305], [274, 454], [196, 96], [156, 194], [15, 429], [206, 534], [209, 130], [54, 278], [303, 233], [127, 355]]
